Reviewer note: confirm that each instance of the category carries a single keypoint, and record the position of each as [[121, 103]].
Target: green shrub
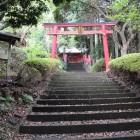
[[35, 52], [129, 62], [98, 66], [27, 98], [5, 102], [42, 64], [62, 66]]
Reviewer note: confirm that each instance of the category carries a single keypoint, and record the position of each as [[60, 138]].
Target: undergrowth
[[98, 66]]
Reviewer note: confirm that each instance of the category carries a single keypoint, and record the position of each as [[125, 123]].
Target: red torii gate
[[80, 31]]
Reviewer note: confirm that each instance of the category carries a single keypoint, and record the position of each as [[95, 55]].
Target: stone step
[[86, 101], [84, 81], [125, 135], [82, 122], [83, 116], [86, 88], [75, 73], [79, 77], [83, 84], [81, 80], [86, 91], [86, 96], [69, 129], [80, 108]]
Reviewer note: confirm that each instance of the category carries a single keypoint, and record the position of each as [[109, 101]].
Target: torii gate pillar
[[105, 45], [54, 43]]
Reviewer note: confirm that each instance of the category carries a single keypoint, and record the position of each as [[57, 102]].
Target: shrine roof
[[71, 50], [10, 38]]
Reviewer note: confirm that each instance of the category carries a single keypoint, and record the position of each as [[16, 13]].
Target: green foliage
[[5, 102], [58, 2], [66, 11], [81, 41], [126, 11], [42, 64], [129, 62], [36, 36], [27, 98], [19, 53], [37, 52], [99, 66], [97, 51], [18, 12], [62, 66]]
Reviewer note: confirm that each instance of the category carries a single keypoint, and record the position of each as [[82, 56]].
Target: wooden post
[[105, 44], [8, 62], [54, 42], [80, 30]]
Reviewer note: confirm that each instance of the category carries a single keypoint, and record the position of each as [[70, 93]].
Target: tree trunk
[[116, 50], [125, 40], [3, 25], [91, 42], [112, 48], [4, 2], [116, 43], [95, 38], [92, 47], [125, 45], [124, 49], [139, 42], [95, 47]]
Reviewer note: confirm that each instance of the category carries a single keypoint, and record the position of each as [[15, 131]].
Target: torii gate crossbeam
[[80, 30]]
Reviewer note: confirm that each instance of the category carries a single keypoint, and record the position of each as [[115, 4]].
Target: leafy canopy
[[58, 2], [126, 11], [16, 13]]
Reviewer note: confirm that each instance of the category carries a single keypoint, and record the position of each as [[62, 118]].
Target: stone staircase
[[84, 106], [75, 67]]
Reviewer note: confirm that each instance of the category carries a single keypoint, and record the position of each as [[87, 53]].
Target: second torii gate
[[81, 28]]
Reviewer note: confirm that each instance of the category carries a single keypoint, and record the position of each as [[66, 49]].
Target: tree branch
[[99, 9], [24, 34], [2, 15], [3, 25], [117, 29], [130, 38], [4, 2], [124, 26], [94, 5], [115, 38]]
